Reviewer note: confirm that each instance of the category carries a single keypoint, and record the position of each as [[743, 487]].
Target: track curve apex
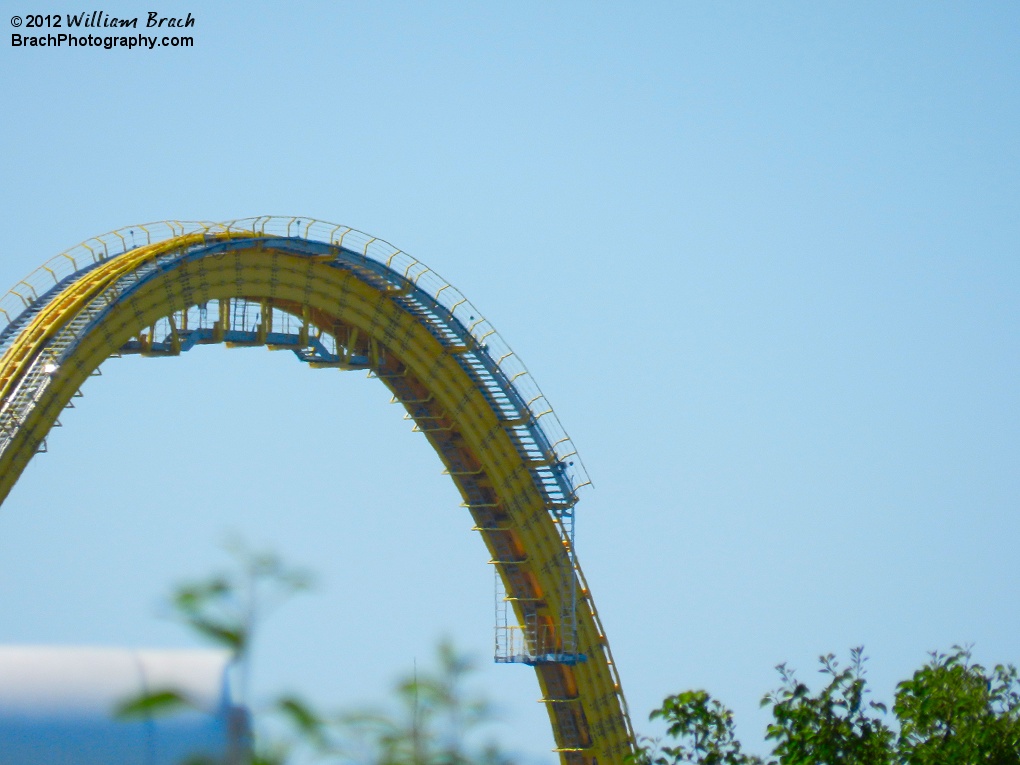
[[340, 298]]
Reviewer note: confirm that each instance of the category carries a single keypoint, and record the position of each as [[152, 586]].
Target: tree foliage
[[703, 729], [952, 710], [433, 723], [836, 725]]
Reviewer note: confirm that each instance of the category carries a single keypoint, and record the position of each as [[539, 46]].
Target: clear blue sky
[[762, 258]]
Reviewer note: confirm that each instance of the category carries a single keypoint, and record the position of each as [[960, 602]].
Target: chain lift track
[[341, 299]]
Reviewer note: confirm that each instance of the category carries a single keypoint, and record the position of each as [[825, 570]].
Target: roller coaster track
[[339, 298]]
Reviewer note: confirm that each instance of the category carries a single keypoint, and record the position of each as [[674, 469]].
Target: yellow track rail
[[584, 701]]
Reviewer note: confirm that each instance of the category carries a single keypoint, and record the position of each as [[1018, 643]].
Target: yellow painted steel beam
[[593, 728]]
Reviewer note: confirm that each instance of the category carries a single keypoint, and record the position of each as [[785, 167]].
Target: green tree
[[703, 730], [435, 720], [836, 726], [433, 724], [952, 710]]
